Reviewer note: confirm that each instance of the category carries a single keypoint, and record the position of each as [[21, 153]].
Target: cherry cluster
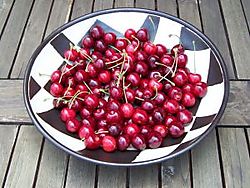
[[117, 93]]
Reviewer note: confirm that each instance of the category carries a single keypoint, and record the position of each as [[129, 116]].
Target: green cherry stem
[[161, 64], [124, 89], [156, 93], [88, 87], [138, 42], [115, 48]]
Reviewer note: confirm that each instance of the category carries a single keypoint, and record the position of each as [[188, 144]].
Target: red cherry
[[133, 78], [180, 79], [88, 42], [149, 48], [109, 38], [96, 32], [55, 76], [89, 122], [130, 34], [104, 76], [81, 76], [194, 78], [85, 132], [114, 117], [121, 44], [158, 115], [169, 119], [130, 94], [67, 114], [160, 50], [100, 46], [171, 106], [141, 68], [99, 63], [116, 93], [142, 35], [131, 130], [200, 89], [127, 110], [187, 88], [154, 140], [188, 100], [178, 48], [161, 129], [71, 55], [145, 130], [84, 53], [99, 113], [176, 129], [138, 141], [167, 60], [148, 105], [91, 101], [123, 142], [72, 125], [184, 116], [175, 93], [155, 85], [182, 60], [92, 141], [56, 89], [140, 116], [113, 105], [109, 143]]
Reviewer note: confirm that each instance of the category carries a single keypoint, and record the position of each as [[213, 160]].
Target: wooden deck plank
[[144, 176], [206, 164], [12, 35], [100, 4], [52, 167], [7, 138], [175, 173], [11, 100], [169, 7], [32, 36], [214, 29], [235, 157], [5, 7], [25, 157], [145, 4], [80, 173], [237, 110], [189, 11], [238, 36], [81, 7], [246, 8], [112, 177], [124, 3]]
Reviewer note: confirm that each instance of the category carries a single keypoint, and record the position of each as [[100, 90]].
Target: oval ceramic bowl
[[49, 57]]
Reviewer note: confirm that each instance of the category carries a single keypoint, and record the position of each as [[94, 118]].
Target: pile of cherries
[[120, 93]]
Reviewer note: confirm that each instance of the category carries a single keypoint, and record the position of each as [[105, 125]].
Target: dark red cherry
[[127, 110], [158, 115], [184, 116], [145, 130], [161, 129], [113, 105], [180, 79], [89, 122], [140, 55], [169, 119], [99, 63], [130, 34], [96, 32], [76, 105], [148, 105], [200, 89], [99, 113], [139, 142], [160, 98], [92, 142], [181, 60], [109, 143], [140, 116], [67, 114], [88, 42], [152, 60], [91, 101], [175, 93], [148, 93], [109, 38], [100, 46], [187, 88], [178, 48], [102, 124], [154, 140], [85, 131], [121, 44], [114, 129], [194, 78], [133, 78], [160, 50], [171, 106], [114, 116], [56, 89], [167, 60], [188, 100], [104, 76], [131, 130], [92, 70], [85, 112], [123, 142], [155, 85], [84, 53], [55, 76], [70, 82], [116, 93], [167, 86], [71, 55], [81, 76], [176, 129], [149, 48], [142, 35], [130, 94], [72, 125], [141, 68]]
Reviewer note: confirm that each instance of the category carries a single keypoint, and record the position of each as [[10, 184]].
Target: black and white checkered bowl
[[49, 57]]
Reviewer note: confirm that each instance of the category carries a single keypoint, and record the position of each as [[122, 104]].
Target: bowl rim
[[114, 10]]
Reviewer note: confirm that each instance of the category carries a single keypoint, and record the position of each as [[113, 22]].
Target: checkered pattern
[[50, 58]]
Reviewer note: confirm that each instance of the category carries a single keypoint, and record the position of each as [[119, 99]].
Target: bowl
[[49, 57]]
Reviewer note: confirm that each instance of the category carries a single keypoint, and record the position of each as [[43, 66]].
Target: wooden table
[[28, 160]]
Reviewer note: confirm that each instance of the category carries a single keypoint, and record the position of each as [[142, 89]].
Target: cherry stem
[[164, 77], [87, 66], [156, 93], [115, 61], [88, 87], [86, 56], [139, 98], [194, 56], [173, 35], [124, 89], [125, 39], [116, 65], [169, 68], [74, 97], [115, 48], [104, 91], [175, 62], [71, 68], [138, 42], [101, 132]]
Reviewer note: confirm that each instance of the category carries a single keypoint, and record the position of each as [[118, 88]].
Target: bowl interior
[[49, 56]]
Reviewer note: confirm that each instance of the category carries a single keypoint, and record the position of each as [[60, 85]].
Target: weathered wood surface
[[52, 167], [32, 36], [81, 7], [144, 176], [238, 34], [80, 174], [12, 34], [169, 7], [145, 4], [235, 157], [214, 28], [124, 3], [112, 177], [205, 163], [175, 173], [23, 165], [7, 140], [100, 4], [246, 8], [5, 8]]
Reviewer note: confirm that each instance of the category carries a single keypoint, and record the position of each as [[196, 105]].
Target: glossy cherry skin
[[123, 142], [148, 105], [85, 112], [67, 114], [200, 89], [131, 130], [114, 129], [171, 106], [84, 53], [158, 115], [109, 38], [89, 122], [149, 48], [180, 79], [139, 142], [188, 88], [160, 98], [142, 35], [140, 116], [104, 76], [169, 119], [130, 34], [188, 100], [72, 125], [154, 140], [81, 76], [99, 63], [114, 116], [161, 129], [55, 76], [130, 94], [91, 101], [184, 116], [176, 129], [140, 55], [56, 89], [100, 46], [127, 110], [167, 60], [116, 93], [175, 93], [113, 105], [133, 78], [194, 78], [99, 113], [141, 68], [85, 131], [96, 32], [109, 143], [145, 130], [182, 60], [92, 142], [88, 42], [71, 55], [155, 85], [160, 50], [121, 44], [178, 48]]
